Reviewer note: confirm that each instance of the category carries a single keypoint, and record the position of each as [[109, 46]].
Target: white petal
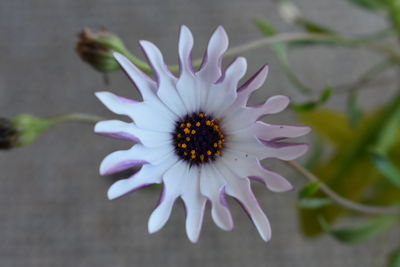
[[117, 104], [240, 189], [246, 142], [146, 86], [185, 50], [137, 155], [210, 70], [166, 81], [245, 117], [195, 203], [273, 132], [222, 94], [115, 129], [148, 174], [245, 165], [212, 186], [187, 84], [152, 115], [245, 91], [173, 182], [130, 131]]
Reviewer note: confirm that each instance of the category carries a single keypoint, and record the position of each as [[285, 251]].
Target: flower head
[[196, 135]]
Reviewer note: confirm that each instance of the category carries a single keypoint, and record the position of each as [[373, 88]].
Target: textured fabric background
[[53, 205]]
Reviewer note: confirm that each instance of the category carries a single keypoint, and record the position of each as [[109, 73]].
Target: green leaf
[[309, 189], [394, 258], [372, 5], [354, 112], [310, 105], [312, 27], [387, 168], [314, 202], [360, 232]]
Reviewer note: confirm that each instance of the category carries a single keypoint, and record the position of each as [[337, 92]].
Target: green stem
[[346, 203], [74, 117]]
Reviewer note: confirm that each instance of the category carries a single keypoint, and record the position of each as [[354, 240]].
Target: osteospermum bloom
[[196, 135]]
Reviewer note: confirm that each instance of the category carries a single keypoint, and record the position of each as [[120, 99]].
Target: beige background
[[53, 205]]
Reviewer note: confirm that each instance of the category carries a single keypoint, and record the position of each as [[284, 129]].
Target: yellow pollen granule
[[182, 125], [209, 152], [186, 130], [193, 151], [193, 132], [202, 157], [198, 124], [215, 144], [208, 123], [188, 124], [188, 139], [193, 156], [184, 145]]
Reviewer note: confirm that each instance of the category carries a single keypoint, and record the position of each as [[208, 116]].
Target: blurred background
[[53, 205]]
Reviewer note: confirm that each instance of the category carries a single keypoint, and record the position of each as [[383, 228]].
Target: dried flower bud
[[8, 134], [21, 130], [96, 48]]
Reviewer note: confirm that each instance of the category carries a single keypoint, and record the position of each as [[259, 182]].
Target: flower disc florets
[[198, 138]]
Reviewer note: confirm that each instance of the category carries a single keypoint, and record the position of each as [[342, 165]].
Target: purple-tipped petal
[[212, 186], [195, 203], [148, 174], [173, 179], [115, 129], [222, 94], [146, 86], [210, 69], [117, 104], [185, 50], [277, 132], [166, 81], [240, 189], [245, 117], [137, 155]]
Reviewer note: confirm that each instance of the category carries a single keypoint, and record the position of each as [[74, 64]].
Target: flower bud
[[96, 48], [21, 130], [8, 134]]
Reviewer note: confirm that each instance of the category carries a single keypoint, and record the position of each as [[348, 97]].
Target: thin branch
[[77, 117], [339, 199]]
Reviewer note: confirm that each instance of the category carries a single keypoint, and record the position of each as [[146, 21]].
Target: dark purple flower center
[[198, 138]]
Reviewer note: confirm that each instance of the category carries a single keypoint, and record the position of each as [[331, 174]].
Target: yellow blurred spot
[[184, 145], [209, 152], [198, 124], [186, 130], [188, 139], [188, 124], [193, 132]]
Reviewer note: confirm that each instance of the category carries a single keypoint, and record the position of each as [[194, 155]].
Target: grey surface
[[53, 205]]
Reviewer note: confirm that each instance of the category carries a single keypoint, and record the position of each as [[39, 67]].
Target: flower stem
[[77, 117], [346, 203]]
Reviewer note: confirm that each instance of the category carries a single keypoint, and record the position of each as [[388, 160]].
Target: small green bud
[[28, 128], [96, 48], [8, 134]]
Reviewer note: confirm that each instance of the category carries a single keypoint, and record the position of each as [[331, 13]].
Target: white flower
[[197, 137]]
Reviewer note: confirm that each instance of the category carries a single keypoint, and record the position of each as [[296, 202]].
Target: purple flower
[[196, 135]]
